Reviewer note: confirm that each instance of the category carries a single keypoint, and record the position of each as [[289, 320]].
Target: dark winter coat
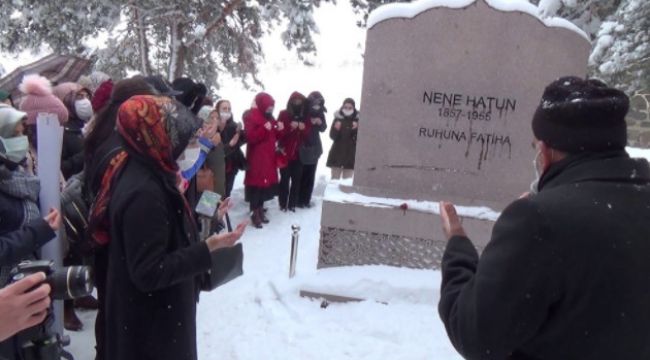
[[235, 159], [154, 261], [22, 228], [566, 272], [312, 147], [18, 241], [260, 152], [72, 152], [344, 146], [94, 172], [290, 140]]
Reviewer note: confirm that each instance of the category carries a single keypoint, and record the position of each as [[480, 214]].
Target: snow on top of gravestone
[[334, 193], [410, 10]]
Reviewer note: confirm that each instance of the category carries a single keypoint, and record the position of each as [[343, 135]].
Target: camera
[[67, 283], [72, 282]]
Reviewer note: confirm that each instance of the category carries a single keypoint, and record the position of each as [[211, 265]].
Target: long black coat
[[235, 159], [566, 274], [344, 146], [72, 152], [312, 148], [151, 290]]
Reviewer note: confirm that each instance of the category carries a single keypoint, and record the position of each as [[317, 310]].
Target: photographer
[[23, 304], [22, 230]]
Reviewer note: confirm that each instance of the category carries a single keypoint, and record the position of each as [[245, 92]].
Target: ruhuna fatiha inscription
[[448, 107]]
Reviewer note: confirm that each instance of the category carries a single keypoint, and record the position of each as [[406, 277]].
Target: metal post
[[294, 249]]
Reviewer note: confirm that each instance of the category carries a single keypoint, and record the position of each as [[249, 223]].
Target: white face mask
[[225, 115], [538, 173], [16, 148], [347, 112], [269, 110], [84, 109]]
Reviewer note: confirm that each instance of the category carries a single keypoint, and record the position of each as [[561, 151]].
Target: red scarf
[[144, 122]]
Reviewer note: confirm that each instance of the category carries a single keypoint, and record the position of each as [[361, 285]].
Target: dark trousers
[[101, 272], [256, 197], [230, 181], [288, 194], [307, 184]]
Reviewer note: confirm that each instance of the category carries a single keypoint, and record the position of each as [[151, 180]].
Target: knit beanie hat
[[63, 89], [9, 118], [192, 93], [102, 95], [4, 95], [581, 115], [93, 81], [204, 113], [39, 99]]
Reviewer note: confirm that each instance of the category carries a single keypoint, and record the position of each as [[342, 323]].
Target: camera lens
[[71, 282]]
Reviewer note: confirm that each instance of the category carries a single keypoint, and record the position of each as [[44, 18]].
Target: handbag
[[227, 265], [281, 161], [75, 209]]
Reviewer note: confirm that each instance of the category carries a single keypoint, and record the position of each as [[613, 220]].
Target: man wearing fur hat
[[566, 272]]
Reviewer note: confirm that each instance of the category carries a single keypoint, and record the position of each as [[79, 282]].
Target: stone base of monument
[[359, 226]]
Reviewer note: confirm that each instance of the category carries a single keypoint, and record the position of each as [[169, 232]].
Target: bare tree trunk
[[176, 51], [143, 43]]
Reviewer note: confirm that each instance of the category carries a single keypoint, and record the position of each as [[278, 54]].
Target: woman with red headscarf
[[155, 258]]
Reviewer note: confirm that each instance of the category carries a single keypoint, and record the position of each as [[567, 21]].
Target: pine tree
[[620, 30], [193, 38], [621, 54]]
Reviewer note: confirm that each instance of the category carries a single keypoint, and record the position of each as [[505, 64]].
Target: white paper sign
[[50, 140]]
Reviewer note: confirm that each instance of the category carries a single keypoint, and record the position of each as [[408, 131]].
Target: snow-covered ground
[[261, 315]]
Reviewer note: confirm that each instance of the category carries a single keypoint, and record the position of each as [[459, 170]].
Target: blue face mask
[[14, 149]]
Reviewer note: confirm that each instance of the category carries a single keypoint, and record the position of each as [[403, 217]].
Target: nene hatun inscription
[[448, 109], [443, 117]]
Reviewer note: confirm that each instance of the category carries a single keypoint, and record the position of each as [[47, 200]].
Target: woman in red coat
[[262, 174]]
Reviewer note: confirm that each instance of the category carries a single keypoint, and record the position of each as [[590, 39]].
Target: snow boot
[[256, 219], [70, 320]]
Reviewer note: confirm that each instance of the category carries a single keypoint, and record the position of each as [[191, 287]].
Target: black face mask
[[296, 109]]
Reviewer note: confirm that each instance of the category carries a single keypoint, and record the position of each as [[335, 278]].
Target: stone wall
[[638, 120]]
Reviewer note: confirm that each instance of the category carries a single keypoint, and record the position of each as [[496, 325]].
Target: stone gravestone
[[449, 91]]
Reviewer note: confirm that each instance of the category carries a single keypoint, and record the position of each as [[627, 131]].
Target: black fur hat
[[192, 93], [581, 115]]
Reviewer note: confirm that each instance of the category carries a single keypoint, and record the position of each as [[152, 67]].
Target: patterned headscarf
[[156, 129]]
